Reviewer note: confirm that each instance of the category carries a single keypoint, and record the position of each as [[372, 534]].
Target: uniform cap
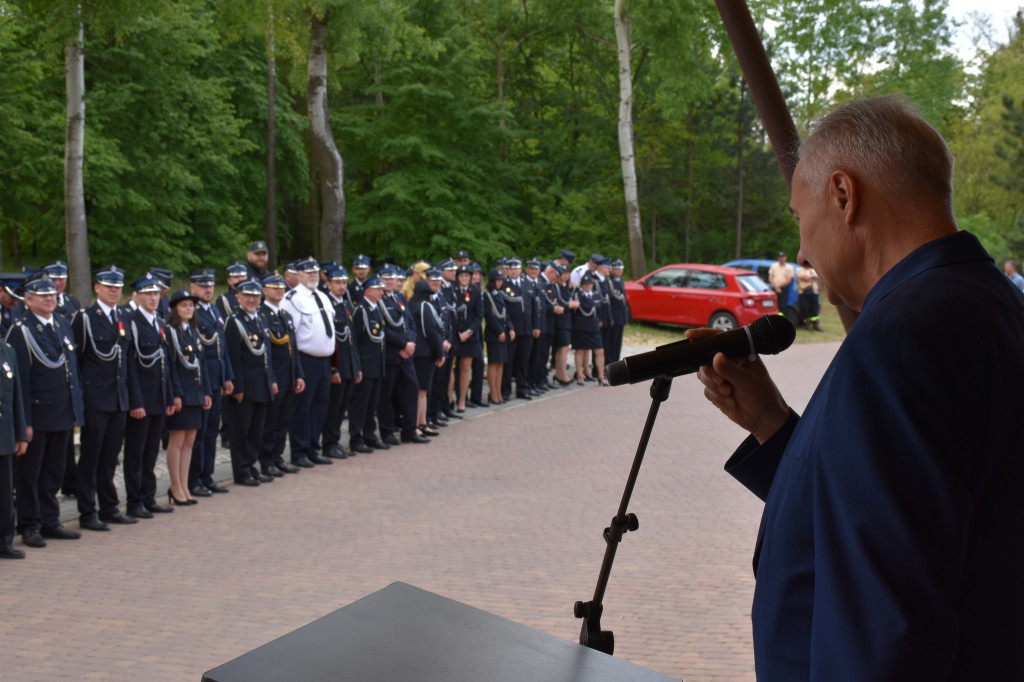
[[447, 264], [462, 254], [361, 261], [308, 264], [338, 274], [567, 255], [617, 263], [373, 283], [258, 247], [40, 285], [204, 278], [533, 263], [182, 295], [111, 276], [274, 282], [146, 284], [58, 269], [237, 269], [587, 278], [434, 274], [596, 257], [250, 286]]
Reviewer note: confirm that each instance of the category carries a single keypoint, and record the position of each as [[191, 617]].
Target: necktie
[[323, 314], [113, 317]]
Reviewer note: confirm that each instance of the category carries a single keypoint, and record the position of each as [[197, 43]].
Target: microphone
[[766, 335]]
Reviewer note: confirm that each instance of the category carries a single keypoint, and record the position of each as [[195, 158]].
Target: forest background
[[486, 125]]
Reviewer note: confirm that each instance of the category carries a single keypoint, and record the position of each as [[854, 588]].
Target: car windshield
[[752, 283]]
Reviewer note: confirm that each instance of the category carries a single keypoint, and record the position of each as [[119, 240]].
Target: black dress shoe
[[390, 439], [11, 553], [59, 532], [304, 463], [378, 445], [32, 538], [336, 453], [523, 396], [200, 491], [435, 426], [453, 415], [247, 481], [272, 471], [139, 512], [363, 448], [477, 403], [415, 438], [288, 468], [264, 478], [155, 508], [317, 459], [118, 517], [214, 488], [92, 523]]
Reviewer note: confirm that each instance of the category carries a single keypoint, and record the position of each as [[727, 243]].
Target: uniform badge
[[70, 345], [120, 327], [188, 348], [7, 369], [467, 297], [508, 290]]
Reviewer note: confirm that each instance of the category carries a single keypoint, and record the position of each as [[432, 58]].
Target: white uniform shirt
[[310, 336]]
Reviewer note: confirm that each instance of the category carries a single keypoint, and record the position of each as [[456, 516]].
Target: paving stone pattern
[[503, 511]]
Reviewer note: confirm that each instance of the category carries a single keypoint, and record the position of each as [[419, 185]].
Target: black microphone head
[[772, 334], [617, 373]]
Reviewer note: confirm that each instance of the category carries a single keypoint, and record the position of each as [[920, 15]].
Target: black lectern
[[404, 633]]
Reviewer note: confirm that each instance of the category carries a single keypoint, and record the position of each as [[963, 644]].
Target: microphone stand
[[591, 634]]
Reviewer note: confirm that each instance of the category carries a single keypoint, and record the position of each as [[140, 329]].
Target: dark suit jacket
[[191, 385], [366, 325], [495, 315], [346, 355], [890, 544], [12, 407], [152, 390], [215, 355], [52, 397], [429, 330], [254, 374], [398, 334], [283, 353], [103, 370]]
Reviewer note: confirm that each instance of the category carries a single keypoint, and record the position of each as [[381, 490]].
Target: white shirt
[[577, 274], [310, 336]]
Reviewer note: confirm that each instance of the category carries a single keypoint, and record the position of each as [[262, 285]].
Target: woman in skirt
[[429, 353], [191, 393], [495, 334], [469, 315], [586, 330]]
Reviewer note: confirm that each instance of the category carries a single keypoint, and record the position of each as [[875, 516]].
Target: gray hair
[[885, 139]]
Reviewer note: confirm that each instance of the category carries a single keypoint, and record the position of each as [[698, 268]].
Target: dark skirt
[[470, 349], [190, 417], [586, 340], [497, 352], [562, 337], [424, 371]]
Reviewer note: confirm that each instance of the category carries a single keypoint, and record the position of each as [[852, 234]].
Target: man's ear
[[842, 192]]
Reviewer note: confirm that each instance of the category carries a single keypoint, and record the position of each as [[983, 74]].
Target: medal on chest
[[8, 371], [70, 345]]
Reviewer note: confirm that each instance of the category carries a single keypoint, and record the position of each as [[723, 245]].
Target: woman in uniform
[[469, 315], [191, 393], [586, 329], [496, 333]]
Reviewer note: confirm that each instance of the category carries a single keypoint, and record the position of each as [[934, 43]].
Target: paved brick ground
[[503, 511]]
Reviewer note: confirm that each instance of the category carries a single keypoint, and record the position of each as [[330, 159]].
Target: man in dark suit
[[255, 384], [67, 307], [399, 389], [345, 371], [151, 400], [256, 261], [105, 361], [519, 302], [11, 309], [618, 312], [217, 367], [43, 343], [287, 370], [889, 546], [360, 273], [368, 330], [13, 443]]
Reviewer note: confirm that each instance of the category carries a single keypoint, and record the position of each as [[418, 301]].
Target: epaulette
[[290, 294]]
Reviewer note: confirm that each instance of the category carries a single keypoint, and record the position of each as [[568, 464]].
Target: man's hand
[[536, 333], [137, 413], [359, 377], [274, 389], [335, 378], [207, 402], [300, 386], [464, 336], [229, 387], [439, 362], [743, 391], [20, 447]]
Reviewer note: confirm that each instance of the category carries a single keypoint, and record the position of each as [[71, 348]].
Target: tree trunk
[[637, 259], [689, 200], [739, 179], [325, 152], [271, 145], [76, 232], [500, 54]]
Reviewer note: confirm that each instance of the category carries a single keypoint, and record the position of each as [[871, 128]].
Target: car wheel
[[722, 320]]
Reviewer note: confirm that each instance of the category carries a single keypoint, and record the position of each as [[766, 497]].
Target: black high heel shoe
[[171, 499], [579, 381], [563, 383]]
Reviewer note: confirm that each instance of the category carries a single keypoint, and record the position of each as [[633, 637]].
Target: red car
[[700, 296]]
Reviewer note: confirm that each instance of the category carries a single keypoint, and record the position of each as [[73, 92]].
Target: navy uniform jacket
[[397, 330], [519, 308], [228, 303], [67, 306], [429, 329], [563, 297], [618, 308], [469, 312], [8, 316], [889, 547], [52, 396], [368, 330], [283, 354], [152, 390], [106, 360], [495, 315], [216, 363], [12, 407], [546, 297], [602, 288], [188, 380], [531, 294], [247, 346], [446, 307], [354, 292], [346, 345], [588, 316]]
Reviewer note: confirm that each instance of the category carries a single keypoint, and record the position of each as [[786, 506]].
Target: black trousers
[[37, 478], [141, 447], [69, 486], [310, 413], [101, 440], [247, 421], [275, 430], [437, 399], [612, 342], [365, 397], [204, 449], [539, 359], [337, 404], [518, 363], [399, 391], [476, 382], [6, 500]]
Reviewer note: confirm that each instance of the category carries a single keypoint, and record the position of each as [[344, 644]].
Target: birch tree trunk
[[637, 259], [325, 152], [75, 228], [271, 226]]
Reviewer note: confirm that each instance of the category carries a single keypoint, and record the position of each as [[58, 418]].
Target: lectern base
[[404, 633]]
